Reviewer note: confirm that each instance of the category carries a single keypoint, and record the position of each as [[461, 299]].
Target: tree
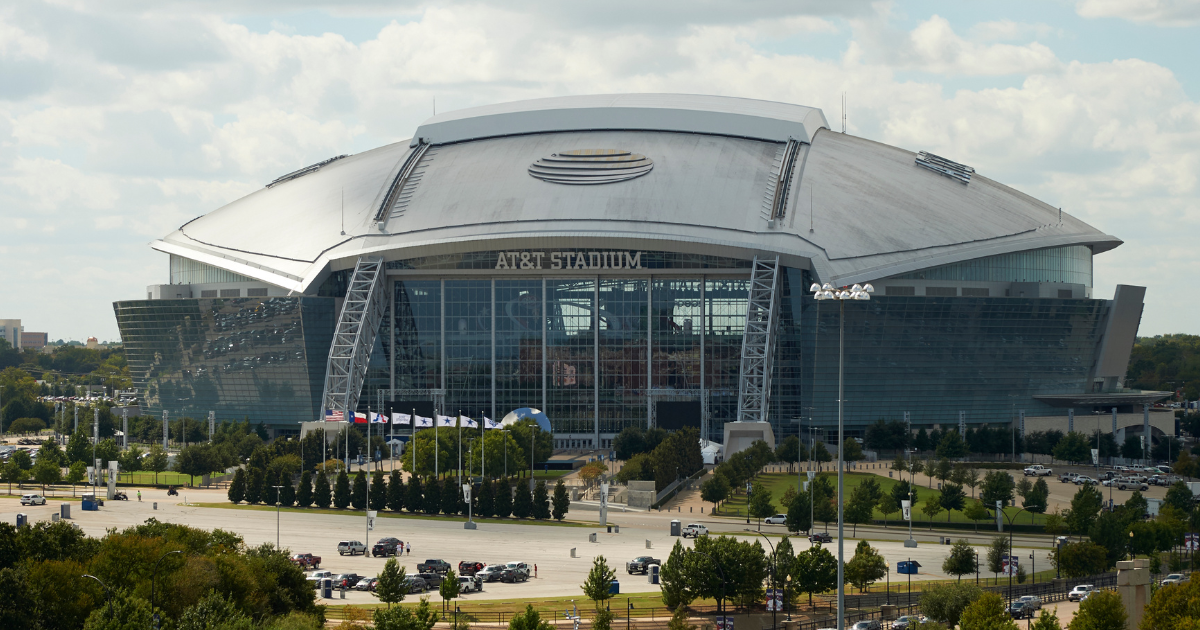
[[528, 620], [1037, 500], [378, 498], [1079, 559], [237, 487], [503, 498], [1186, 465], [1085, 505], [287, 494], [255, 485], [961, 561], [997, 486], [821, 454], [952, 498], [921, 442], [1073, 448], [541, 501], [1132, 448], [900, 465], [971, 480], [951, 446], [887, 505], [997, 552], [932, 507], [1173, 608], [598, 584], [561, 501], [714, 490], [450, 496], [130, 459], [321, 496], [851, 450], [987, 613], [75, 474], [197, 460], [673, 577], [358, 492], [47, 472], [679, 620], [860, 506], [414, 498], [814, 571], [423, 617], [449, 588], [977, 511], [945, 603], [127, 613], [760, 503], [866, 566], [79, 448], [522, 501], [390, 589], [824, 509], [1179, 496], [341, 491], [788, 451], [304, 492], [799, 517], [900, 492], [155, 460], [1046, 621], [1102, 610], [1055, 524]]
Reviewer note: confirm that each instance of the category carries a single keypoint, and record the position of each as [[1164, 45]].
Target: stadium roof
[[856, 210]]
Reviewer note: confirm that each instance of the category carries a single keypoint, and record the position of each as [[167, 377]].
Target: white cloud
[[15, 43], [50, 185], [1158, 12], [933, 46]]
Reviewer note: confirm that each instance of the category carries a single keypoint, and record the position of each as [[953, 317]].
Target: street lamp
[[842, 295], [108, 590], [1011, 556], [774, 566], [153, 577], [277, 488]]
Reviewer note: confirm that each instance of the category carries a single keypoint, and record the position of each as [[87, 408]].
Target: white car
[[1084, 480], [1079, 592], [33, 499], [468, 584], [1038, 470], [694, 530], [1174, 578], [778, 519], [1132, 484]]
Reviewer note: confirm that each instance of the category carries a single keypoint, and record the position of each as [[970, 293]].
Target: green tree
[[304, 492], [945, 603], [561, 501], [156, 460], [449, 588], [358, 492], [1102, 610], [961, 561], [214, 611], [541, 501], [503, 498], [127, 613], [679, 620], [76, 474], [379, 492], [414, 498], [1179, 496], [1073, 448], [997, 486], [391, 589], [887, 505], [1085, 506], [1037, 499], [760, 502], [852, 451], [451, 496], [79, 448], [814, 571], [900, 464], [433, 496], [50, 452], [977, 511], [987, 613], [821, 454], [997, 551], [598, 584], [799, 516], [866, 567], [1046, 621], [953, 498], [522, 501], [237, 487], [788, 451], [932, 507], [422, 617], [528, 620], [824, 508], [395, 491], [130, 459], [860, 507], [951, 446], [341, 491], [714, 490], [46, 473], [321, 494], [1079, 559], [256, 481], [673, 578]]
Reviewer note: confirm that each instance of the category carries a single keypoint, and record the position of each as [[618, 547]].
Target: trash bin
[[64, 510], [652, 574], [90, 505], [610, 529], [615, 588], [676, 528]]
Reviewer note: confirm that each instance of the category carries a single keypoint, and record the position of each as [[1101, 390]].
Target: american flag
[[334, 416]]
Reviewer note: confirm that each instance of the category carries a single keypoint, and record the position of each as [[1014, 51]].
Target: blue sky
[[119, 121]]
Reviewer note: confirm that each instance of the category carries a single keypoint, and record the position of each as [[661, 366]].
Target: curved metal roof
[[855, 210]]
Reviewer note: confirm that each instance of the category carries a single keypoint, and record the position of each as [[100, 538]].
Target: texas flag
[[488, 423], [401, 418], [468, 422], [423, 422], [360, 418]]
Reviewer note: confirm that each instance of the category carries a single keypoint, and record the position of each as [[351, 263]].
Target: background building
[[34, 340], [593, 257]]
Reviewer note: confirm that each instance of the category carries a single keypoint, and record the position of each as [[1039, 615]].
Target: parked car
[[386, 547], [1031, 600], [1020, 610], [1079, 592], [1174, 578], [776, 519], [346, 580], [433, 566], [33, 499], [434, 580], [1038, 470], [905, 622], [1084, 480], [510, 574], [1107, 476], [694, 530], [468, 584], [1130, 484], [366, 584], [1068, 477], [316, 576], [520, 567], [415, 584], [490, 573], [820, 537], [351, 547], [1164, 469], [867, 624], [470, 567], [306, 560], [641, 564]]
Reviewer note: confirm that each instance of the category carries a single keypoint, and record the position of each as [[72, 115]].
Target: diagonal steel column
[[357, 325], [758, 341]]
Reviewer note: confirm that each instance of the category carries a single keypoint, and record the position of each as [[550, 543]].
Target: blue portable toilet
[[907, 567], [614, 588]]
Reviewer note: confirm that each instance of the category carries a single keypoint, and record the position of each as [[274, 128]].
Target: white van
[[33, 499]]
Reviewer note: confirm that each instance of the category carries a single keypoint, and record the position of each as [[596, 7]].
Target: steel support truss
[[758, 342], [354, 337]]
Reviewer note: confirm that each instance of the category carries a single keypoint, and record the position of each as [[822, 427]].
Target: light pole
[[277, 488], [1011, 557], [153, 577], [828, 292], [108, 590], [774, 566]]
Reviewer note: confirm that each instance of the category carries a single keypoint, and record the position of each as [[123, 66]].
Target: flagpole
[[413, 446], [483, 447], [459, 447], [437, 419]]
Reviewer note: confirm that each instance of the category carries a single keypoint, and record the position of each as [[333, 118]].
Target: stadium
[[635, 260]]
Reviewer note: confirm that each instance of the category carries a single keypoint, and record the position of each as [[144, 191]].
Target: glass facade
[[258, 357], [1071, 264], [187, 271]]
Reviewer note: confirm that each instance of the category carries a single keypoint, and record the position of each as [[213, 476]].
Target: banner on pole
[[906, 506], [1096, 456]]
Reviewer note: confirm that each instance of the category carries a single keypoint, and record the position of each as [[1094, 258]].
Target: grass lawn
[[165, 478], [777, 483], [404, 515]]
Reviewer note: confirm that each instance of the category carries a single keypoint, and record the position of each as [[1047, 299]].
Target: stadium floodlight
[[858, 292]]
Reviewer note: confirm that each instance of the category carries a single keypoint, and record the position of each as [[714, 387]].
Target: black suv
[[386, 547], [820, 537]]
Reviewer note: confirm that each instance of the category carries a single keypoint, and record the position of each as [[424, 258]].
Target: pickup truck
[[641, 564], [306, 560], [434, 566], [694, 530], [1038, 470]]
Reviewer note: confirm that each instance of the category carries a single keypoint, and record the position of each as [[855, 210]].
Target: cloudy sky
[[121, 120]]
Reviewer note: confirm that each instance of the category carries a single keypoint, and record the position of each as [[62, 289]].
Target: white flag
[[468, 422], [422, 421], [488, 423], [401, 418], [445, 421]]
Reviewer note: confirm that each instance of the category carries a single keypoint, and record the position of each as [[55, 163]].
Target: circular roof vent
[[591, 166]]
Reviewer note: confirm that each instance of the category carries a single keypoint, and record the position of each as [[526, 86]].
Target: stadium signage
[[568, 261]]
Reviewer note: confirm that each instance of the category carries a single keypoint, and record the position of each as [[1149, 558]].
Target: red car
[[470, 567]]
